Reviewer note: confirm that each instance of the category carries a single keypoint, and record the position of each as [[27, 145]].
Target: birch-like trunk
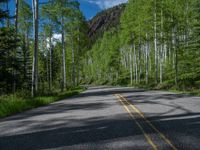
[[27, 55], [161, 49], [15, 52], [50, 61], [135, 68], [131, 64], [139, 57], [63, 56], [135, 64], [47, 69], [73, 63], [161, 63], [155, 42], [78, 62], [147, 59], [35, 53], [175, 57]]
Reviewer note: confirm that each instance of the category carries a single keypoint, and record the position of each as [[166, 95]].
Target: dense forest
[[156, 45], [41, 46], [50, 46]]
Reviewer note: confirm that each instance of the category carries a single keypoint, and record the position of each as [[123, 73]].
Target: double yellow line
[[124, 101]]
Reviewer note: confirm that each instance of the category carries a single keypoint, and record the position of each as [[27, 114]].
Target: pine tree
[[8, 60], [25, 24]]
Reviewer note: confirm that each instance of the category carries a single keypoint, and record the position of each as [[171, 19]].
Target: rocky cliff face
[[105, 20]]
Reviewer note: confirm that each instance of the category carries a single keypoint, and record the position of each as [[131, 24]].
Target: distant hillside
[[105, 20]]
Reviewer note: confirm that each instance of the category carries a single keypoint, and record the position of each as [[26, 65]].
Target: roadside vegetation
[[19, 102], [41, 46], [156, 45]]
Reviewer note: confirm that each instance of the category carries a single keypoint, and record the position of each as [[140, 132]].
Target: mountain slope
[[105, 20]]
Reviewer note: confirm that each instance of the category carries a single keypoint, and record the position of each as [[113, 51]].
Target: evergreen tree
[[25, 24]]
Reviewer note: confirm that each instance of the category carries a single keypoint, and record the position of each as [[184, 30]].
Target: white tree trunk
[[47, 69], [131, 65], [73, 63], [16, 30], [35, 54], [147, 59], [78, 62], [50, 62], [175, 58], [135, 64], [155, 42], [161, 49], [63, 57]]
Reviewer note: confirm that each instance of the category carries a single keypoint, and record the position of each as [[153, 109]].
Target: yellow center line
[[149, 123], [148, 138]]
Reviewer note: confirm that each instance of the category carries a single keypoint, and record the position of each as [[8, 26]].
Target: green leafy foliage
[[8, 60], [157, 44]]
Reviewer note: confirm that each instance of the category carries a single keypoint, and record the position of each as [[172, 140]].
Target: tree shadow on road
[[60, 107], [92, 131], [173, 114], [110, 91], [182, 129]]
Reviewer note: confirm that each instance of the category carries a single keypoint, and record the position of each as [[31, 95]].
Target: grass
[[12, 104], [192, 92], [171, 88]]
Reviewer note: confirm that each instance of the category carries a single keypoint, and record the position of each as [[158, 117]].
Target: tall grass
[[11, 104]]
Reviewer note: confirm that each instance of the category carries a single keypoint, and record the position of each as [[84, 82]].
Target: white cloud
[[56, 38], [104, 4]]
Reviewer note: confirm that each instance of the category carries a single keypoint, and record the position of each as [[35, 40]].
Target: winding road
[[107, 118]]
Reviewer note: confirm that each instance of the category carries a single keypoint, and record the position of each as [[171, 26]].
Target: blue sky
[[88, 7]]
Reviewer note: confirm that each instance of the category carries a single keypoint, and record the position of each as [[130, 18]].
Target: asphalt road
[[113, 118]]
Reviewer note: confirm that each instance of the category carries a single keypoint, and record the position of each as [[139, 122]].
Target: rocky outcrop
[[105, 20]]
